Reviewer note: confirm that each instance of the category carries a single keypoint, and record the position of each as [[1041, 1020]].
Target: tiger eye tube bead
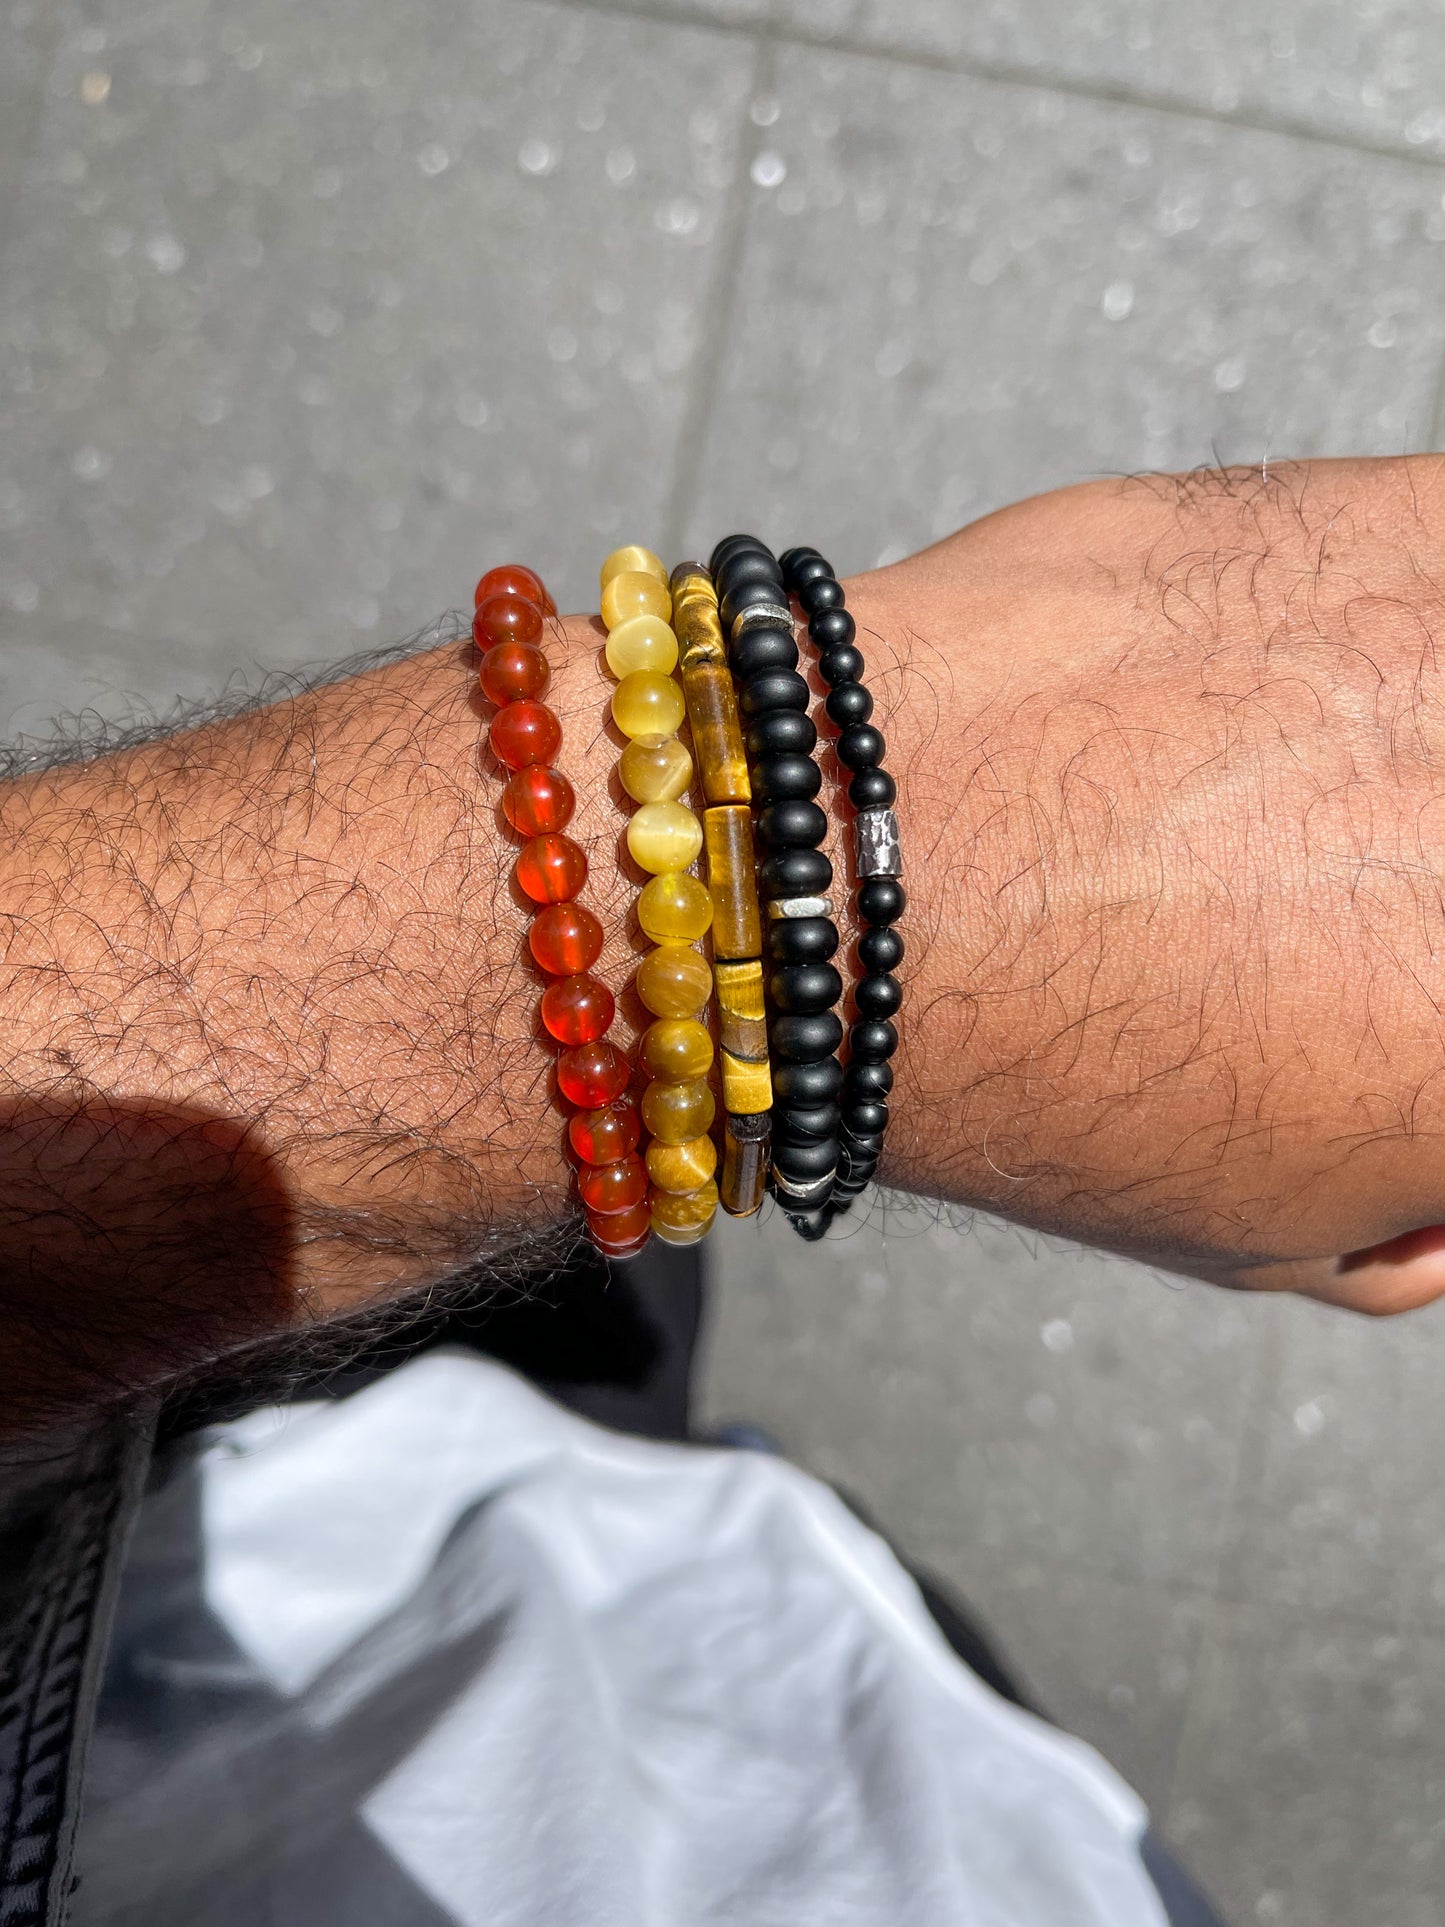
[[565, 939], [737, 927], [707, 685]]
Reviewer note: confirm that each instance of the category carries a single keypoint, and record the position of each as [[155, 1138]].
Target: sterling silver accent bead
[[810, 1190], [762, 615], [876, 848], [801, 907]]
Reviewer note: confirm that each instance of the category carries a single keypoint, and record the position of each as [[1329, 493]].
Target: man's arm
[[1168, 757]]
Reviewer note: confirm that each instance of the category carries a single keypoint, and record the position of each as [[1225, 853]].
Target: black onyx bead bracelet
[[794, 878], [872, 1038]]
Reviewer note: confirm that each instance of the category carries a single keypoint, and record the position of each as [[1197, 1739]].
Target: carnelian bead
[[513, 579], [513, 672], [506, 618], [565, 938], [537, 799], [603, 1135], [578, 1010], [592, 1074], [525, 733], [551, 868], [614, 1254], [621, 1231], [609, 1188]]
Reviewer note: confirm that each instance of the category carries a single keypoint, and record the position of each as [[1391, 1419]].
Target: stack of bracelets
[[710, 648]]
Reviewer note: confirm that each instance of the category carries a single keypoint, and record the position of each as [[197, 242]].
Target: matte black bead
[[856, 1162], [805, 566], [748, 575], [877, 996], [854, 1168], [795, 873], [872, 789], [881, 900], [805, 987], [860, 1146], [801, 940], [790, 558], [801, 1161], [802, 1037], [778, 689], [796, 824], [732, 543], [864, 1115], [849, 703], [748, 595], [880, 950], [784, 732], [861, 746], [844, 664], [776, 777], [758, 650], [845, 1192], [804, 1084], [872, 1041], [832, 628], [799, 1123], [740, 554], [821, 593], [868, 1080]]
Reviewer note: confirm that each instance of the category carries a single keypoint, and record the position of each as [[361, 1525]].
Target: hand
[[1172, 766]]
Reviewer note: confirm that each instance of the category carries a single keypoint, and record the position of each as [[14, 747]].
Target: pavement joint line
[[1036, 79]]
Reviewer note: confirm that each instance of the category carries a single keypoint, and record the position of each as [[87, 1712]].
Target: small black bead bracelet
[[872, 1039], [804, 1029]]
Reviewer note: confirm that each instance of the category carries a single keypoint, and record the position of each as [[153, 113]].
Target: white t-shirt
[[443, 1652]]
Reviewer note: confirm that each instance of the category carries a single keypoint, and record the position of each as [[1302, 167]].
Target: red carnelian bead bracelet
[[565, 939]]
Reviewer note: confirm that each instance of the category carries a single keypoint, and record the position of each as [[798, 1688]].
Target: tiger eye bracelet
[[717, 737], [565, 939]]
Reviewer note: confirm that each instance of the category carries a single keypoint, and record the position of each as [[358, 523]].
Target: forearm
[[1174, 793], [1166, 764], [267, 1021]]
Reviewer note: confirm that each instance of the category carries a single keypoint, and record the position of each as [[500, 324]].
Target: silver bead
[[762, 615], [801, 907], [876, 849], [809, 1190]]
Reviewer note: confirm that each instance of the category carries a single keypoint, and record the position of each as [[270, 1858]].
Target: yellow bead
[[655, 769], [681, 1167], [693, 1235], [632, 560], [674, 909], [664, 837], [674, 980], [646, 642], [634, 594], [677, 1112], [645, 704], [676, 1049], [685, 1210]]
